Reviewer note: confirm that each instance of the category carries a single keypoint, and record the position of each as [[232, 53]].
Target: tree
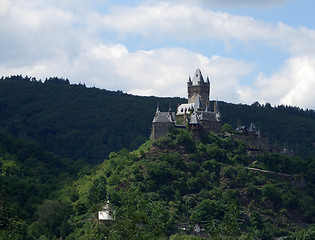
[[97, 191], [206, 211], [226, 128], [273, 194], [53, 216]]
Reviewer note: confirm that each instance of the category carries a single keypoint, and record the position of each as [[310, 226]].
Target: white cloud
[[161, 72], [75, 40], [30, 33], [108, 52], [192, 23], [233, 3], [5, 4], [293, 84], [265, 3]]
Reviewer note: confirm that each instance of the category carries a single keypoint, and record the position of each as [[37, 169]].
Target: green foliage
[[184, 237], [53, 218], [305, 234], [140, 218], [164, 185], [174, 182], [97, 192], [74, 121], [185, 138], [273, 194], [226, 128], [285, 126], [229, 226], [207, 210], [28, 176]]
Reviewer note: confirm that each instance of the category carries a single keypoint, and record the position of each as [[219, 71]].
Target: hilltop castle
[[195, 115]]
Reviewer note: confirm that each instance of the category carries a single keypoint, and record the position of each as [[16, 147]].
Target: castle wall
[[160, 129], [211, 126], [254, 143]]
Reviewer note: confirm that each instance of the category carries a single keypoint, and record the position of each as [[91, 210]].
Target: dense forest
[[28, 175], [166, 187], [52, 131], [77, 122], [74, 121]]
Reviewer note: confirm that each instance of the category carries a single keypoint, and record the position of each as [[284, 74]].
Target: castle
[[194, 115]]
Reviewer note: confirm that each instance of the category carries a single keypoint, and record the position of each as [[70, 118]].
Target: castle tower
[[161, 123], [199, 87]]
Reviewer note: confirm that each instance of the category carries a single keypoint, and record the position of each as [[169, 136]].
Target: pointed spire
[[157, 108], [217, 106], [189, 81], [208, 81], [170, 114], [198, 77]]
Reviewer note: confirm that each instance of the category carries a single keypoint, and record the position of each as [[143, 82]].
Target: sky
[[261, 50]]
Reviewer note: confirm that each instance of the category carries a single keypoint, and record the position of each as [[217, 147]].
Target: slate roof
[[198, 77], [164, 117], [208, 116]]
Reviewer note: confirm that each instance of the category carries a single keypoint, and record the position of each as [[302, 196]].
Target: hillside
[[285, 126], [28, 176], [166, 187], [74, 121], [77, 122]]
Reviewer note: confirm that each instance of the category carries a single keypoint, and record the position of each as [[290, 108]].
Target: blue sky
[[251, 50]]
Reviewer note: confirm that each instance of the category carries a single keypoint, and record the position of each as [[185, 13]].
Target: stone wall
[[160, 129], [208, 126]]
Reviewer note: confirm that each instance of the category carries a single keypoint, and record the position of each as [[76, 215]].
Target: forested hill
[[285, 126], [166, 187], [75, 121], [88, 123], [28, 176]]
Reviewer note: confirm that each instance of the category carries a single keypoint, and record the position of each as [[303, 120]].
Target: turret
[[170, 113], [216, 111], [198, 87], [189, 81]]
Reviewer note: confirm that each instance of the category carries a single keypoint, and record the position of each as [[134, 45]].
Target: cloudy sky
[[261, 50]]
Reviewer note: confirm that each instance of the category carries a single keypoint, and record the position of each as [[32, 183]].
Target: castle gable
[[164, 117]]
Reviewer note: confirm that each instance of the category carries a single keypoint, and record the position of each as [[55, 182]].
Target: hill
[[285, 126], [166, 187], [77, 122], [74, 121], [28, 176]]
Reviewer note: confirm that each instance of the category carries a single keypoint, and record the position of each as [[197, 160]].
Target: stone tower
[[199, 87], [161, 123]]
